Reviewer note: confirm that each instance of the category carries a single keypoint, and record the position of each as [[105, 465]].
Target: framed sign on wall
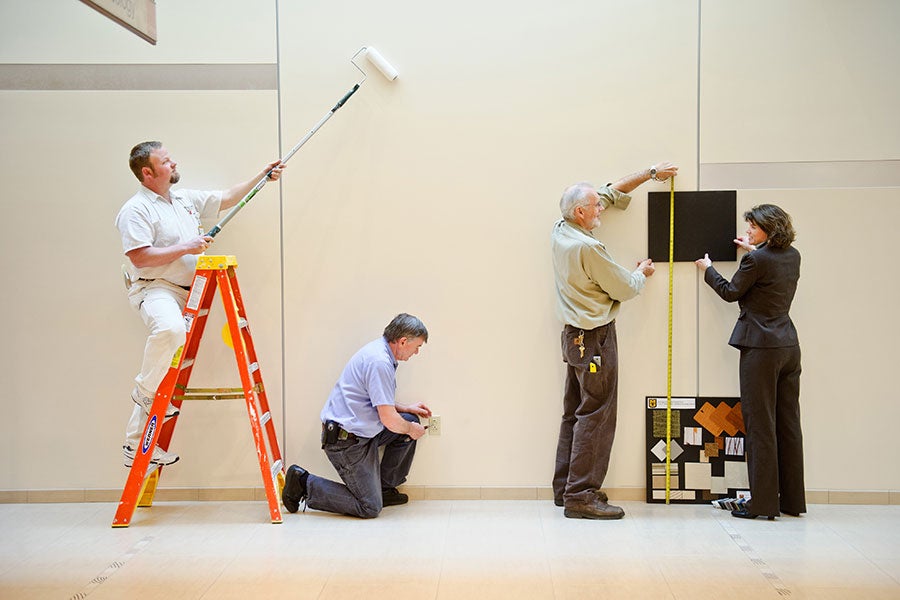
[[137, 16]]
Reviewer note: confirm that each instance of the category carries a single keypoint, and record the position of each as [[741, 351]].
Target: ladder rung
[[254, 367], [276, 467], [211, 394], [267, 416], [202, 312], [242, 323], [185, 364], [214, 393]]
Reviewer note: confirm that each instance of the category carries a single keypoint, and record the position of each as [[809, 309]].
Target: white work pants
[[161, 305]]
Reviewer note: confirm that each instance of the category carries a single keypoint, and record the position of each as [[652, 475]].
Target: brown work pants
[[589, 412]]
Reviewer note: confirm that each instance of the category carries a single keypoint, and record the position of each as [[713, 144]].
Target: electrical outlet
[[434, 425]]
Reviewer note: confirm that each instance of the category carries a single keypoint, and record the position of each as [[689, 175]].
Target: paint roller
[[379, 62]]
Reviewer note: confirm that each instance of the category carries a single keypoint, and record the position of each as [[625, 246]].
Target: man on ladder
[[162, 235]]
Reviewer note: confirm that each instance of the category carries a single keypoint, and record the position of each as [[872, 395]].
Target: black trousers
[[363, 473], [770, 403]]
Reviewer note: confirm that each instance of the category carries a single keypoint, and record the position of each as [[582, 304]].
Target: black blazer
[[764, 287]]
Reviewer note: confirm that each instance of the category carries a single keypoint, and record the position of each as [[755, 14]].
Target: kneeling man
[[359, 417]]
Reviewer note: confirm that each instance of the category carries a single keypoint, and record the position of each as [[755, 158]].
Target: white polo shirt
[[148, 219]]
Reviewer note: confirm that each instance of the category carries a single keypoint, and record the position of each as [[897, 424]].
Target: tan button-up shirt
[[590, 285]]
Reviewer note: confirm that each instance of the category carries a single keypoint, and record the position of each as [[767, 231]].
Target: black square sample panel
[[704, 223]]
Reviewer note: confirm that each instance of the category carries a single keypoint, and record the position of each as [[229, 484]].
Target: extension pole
[[262, 182]]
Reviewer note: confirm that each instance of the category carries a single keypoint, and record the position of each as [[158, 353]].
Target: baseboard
[[416, 492]]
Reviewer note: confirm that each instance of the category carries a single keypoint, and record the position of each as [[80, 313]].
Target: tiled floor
[[446, 550]]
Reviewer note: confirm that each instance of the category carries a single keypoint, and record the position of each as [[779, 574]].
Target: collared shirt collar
[[390, 352], [578, 227], [150, 194]]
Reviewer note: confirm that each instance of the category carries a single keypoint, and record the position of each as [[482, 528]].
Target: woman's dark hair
[[775, 222]]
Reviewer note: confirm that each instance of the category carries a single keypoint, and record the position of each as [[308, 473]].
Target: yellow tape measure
[[669, 353]]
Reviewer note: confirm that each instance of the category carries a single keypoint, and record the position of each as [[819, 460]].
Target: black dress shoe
[[294, 491], [393, 497], [743, 513]]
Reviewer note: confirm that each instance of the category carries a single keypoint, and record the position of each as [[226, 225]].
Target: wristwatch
[[653, 174]]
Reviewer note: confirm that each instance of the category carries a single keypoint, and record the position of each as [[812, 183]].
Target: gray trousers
[[589, 413], [770, 405], [364, 476]]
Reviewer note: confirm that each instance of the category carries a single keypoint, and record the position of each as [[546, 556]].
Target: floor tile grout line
[[651, 560], [545, 541], [328, 579], [224, 568], [860, 551], [40, 551], [545, 545], [440, 576]]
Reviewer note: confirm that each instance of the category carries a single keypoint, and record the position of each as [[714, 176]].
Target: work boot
[[147, 404], [294, 491], [600, 494], [393, 497], [597, 508]]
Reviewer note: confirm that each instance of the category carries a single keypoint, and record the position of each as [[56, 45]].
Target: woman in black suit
[[764, 287]]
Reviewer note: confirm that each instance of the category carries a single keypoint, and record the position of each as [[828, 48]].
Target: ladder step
[[202, 312], [276, 467], [267, 416], [254, 367], [185, 364], [242, 323], [210, 394], [214, 393]]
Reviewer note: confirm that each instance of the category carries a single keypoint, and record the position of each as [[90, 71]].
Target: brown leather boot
[[598, 508]]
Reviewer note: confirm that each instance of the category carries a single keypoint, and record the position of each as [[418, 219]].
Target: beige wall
[[73, 344], [434, 194]]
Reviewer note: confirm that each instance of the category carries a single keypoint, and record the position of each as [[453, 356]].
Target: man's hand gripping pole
[[262, 182]]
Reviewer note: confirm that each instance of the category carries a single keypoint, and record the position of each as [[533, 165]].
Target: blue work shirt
[[369, 380]]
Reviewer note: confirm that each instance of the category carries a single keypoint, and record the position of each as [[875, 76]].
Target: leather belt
[[342, 435], [184, 287]]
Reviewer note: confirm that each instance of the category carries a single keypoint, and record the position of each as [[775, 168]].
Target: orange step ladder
[[212, 272]]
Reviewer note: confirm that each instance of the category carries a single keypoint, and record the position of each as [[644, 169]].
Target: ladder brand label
[[148, 437]]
